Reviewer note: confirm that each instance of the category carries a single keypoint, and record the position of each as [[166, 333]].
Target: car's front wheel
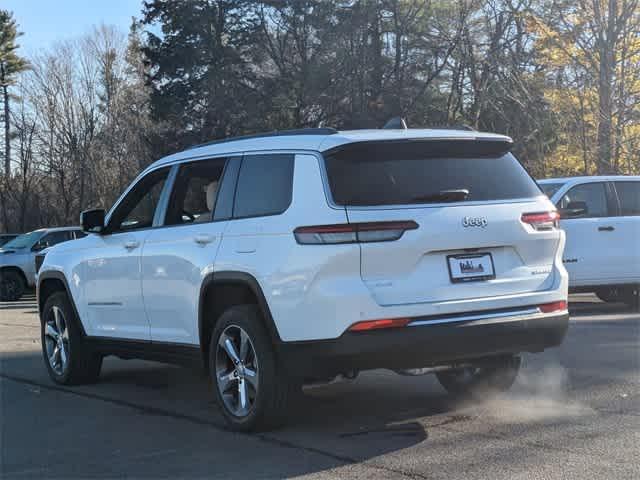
[[252, 389], [68, 359], [495, 376], [12, 286]]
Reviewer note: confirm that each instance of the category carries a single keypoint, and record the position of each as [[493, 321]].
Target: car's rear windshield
[[419, 172]]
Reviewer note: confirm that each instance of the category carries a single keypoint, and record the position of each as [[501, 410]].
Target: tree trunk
[[7, 130], [606, 46]]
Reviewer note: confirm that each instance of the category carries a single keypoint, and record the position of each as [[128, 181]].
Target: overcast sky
[[45, 21]]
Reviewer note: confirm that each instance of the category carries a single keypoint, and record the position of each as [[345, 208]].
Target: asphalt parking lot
[[574, 413]]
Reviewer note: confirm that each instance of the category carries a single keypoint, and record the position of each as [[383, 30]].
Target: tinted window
[[550, 189], [24, 240], [51, 239], [265, 184], [591, 195], [419, 172], [138, 208], [629, 196], [194, 195], [79, 234]]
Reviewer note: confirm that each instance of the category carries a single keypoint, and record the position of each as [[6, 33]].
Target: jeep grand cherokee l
[[287, 258]]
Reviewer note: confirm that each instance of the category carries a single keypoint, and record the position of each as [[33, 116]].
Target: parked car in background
[[601, 216], [6, 237], [17, 258], [300, 256]]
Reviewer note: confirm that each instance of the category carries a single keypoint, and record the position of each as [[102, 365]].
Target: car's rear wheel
[[626, 294], [12, 286], [252, 390], [495, 376], [68, 359]]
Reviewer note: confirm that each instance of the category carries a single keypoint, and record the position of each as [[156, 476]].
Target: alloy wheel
[[237, 371], [56, 337]]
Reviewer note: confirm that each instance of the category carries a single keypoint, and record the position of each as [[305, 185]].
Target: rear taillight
[[553, 307], [353, 232], [542, 221], [379, 324]]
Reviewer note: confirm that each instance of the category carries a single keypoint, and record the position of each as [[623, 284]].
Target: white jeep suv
[[294, 257]]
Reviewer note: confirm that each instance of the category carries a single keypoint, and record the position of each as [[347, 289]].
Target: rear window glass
[[265, 185], [412, 173], [629, 195]]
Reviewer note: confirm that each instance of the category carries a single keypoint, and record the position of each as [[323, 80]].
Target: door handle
[[203, 239], [606, 229], [132, 244]]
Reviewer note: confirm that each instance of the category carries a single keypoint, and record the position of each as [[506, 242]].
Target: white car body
[[22, 259], [147, 285], [603, 247]]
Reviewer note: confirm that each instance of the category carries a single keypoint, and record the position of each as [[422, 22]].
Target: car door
[[111, 267], [627, 230], [177, 257], [590, 255]]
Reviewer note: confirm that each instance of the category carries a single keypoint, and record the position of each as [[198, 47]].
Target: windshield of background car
[[423, 172], [550, 189], [23, 241]]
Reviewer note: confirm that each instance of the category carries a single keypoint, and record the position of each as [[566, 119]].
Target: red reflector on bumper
[[379, 324], [553, 307]]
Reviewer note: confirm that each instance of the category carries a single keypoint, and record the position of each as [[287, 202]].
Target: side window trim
[[613, 202], [227, 192], [160, 215]]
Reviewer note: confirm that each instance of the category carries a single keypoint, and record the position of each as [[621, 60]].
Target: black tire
[[610, 294], [625, 294], [12, 286], [275, 389], [632, 297], [83, 365], [496, 377]]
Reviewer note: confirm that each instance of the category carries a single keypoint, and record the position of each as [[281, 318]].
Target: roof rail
[[276, 133], [454, 127]]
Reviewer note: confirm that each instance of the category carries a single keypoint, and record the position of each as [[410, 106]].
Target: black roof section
[[276, 133]]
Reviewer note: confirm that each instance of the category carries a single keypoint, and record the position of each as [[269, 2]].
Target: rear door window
[[419, 172], [629, 197], [265, 185]]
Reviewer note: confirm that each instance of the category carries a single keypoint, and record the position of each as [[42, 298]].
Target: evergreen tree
[[11, 64]]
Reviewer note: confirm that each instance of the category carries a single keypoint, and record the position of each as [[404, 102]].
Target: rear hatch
[[472, 202]]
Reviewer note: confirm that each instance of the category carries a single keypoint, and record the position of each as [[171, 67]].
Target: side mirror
[[574, 210], [92, 221]]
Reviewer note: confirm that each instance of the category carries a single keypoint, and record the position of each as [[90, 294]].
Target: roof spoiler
[[408, 148], [396, 123]]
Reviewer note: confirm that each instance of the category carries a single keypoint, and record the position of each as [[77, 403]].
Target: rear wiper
[[457, 195]]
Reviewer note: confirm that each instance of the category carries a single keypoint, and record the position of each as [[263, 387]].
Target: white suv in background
[[293, 257], [17, 258], [601, 216]]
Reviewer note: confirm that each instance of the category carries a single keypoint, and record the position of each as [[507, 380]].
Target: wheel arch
[[50, 282], [236, 288]]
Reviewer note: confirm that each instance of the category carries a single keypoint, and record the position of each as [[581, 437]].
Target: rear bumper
[[428, 342]]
